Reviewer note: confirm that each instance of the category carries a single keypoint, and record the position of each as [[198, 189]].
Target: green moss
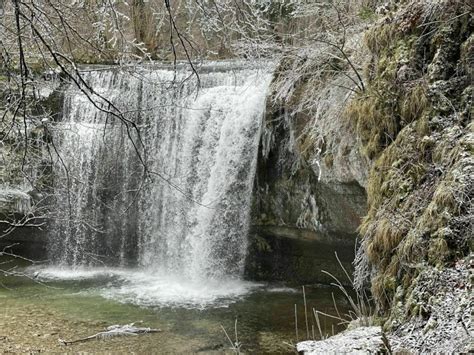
[[379, 38], [384, 288], [366, 13]]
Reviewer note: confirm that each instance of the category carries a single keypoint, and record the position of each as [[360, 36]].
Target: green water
[[35, 315]]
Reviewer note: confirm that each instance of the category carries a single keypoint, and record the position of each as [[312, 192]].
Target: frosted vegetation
[[131, 131]]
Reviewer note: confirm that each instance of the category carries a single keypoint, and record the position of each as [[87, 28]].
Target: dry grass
[[387, 236], [374, 123], [379, 38], [413, 103], [329, 160], [412, 208]]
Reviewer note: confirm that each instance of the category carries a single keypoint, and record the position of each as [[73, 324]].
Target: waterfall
[[189, 214]]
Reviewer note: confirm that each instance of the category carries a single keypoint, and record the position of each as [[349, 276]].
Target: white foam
[[156, 289], [57, 273], [282, 290]]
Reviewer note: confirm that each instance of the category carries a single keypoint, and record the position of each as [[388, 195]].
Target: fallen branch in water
[[113, 331]]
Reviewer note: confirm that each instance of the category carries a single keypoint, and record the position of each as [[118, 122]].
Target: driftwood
[[114, 331]]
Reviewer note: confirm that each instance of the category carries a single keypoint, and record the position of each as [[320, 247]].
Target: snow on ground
[[358, 341]]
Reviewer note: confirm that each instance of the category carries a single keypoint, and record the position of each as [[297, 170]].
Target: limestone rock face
[[26, 174], [311, 172], [441, 302], [340, 158]]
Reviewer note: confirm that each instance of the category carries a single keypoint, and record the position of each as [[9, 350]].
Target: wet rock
[[309, 185], [296, 256]]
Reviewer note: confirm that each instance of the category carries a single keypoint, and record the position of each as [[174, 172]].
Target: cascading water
[[187, 218]]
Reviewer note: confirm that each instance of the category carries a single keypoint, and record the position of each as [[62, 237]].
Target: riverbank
[[442, 302]]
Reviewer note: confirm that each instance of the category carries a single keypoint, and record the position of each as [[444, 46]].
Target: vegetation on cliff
[[414, 121]]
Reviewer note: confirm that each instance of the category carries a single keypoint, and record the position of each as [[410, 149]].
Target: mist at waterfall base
[[144, 288], [179, 236]]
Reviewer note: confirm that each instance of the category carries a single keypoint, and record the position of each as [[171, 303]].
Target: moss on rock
[[414, 121]]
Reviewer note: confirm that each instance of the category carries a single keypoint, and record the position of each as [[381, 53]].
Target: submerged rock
[[114, 331]]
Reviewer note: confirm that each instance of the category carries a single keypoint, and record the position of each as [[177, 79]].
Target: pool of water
[[49, 303]]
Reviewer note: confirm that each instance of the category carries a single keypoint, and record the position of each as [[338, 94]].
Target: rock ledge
[[358, 341]]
